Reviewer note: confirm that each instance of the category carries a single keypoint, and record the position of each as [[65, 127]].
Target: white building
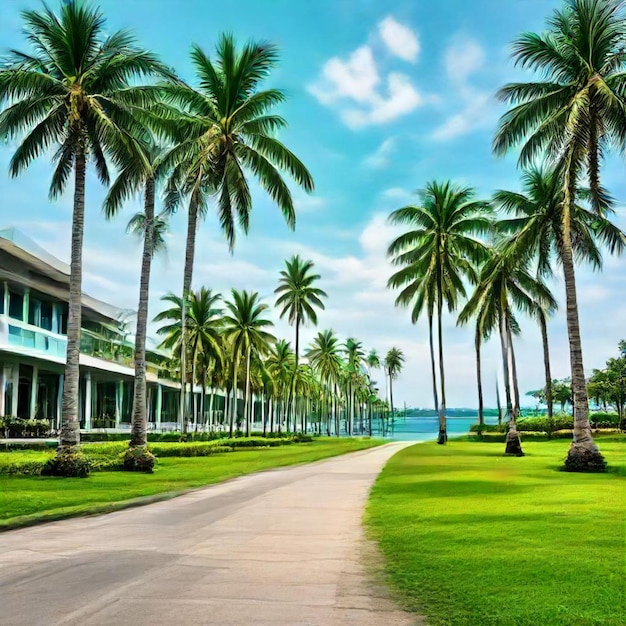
[[34, 294]]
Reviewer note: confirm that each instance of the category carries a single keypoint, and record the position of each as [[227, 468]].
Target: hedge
[[108, 456]]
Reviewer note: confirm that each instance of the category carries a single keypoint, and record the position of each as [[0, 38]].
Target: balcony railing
[[18, 333]]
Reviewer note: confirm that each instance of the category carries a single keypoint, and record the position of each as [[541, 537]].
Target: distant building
[[34, 295]]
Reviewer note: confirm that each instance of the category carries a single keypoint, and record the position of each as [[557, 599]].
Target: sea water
[[427, 428]]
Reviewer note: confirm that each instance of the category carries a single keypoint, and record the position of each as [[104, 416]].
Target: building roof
[[23, 248]]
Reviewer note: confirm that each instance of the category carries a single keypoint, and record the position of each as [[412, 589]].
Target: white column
[[33, 393], [6, 298], [88, 401], [119, 391], [16, 383], [159, 406], [59, 399], [25, 302], [3, 384]]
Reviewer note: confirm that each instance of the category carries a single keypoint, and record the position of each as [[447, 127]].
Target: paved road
[[279, 548]]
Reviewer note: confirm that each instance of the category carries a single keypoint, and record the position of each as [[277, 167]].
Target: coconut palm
[[504, 287], [353, 350], [245, 327], [72, 92], [224, 131], [324, 357], [574, 114], [394, 362], [203, 341], [132, 179], [537, 224], [280, 364], [436, 255], [298, 297]]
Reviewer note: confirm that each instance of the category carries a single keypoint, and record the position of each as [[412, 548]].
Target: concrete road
[[279, 548]]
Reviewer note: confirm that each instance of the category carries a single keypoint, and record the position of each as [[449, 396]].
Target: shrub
[[139, 459], [199, 448], [488, 428], [302, 438], [70, 463], [600, 419], [18, 427]]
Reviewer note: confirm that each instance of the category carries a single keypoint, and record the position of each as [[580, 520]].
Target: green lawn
[[473, 537], [25, 499]]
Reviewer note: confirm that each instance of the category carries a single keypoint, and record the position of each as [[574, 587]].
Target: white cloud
[[399, 39], [463, 58], [477, 113], [380, 158], [362, 96]]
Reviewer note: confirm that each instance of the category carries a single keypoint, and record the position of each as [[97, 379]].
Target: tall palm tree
[[573, 114], [151, 228], [394, 361], [280, 364], [436, 255], [73, 91], [245, 326], [353, 350], [538, 234], [203, 338], [298, 298], [505, 286], [224, 131], [324, 357]]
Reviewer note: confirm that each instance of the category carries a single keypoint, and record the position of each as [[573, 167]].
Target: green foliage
[[139, 459], [70, 462], [190, 449], [19, 427]]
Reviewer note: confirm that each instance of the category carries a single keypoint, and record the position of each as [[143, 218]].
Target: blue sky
[[382, 98]]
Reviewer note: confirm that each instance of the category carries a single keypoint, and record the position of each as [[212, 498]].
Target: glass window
[[16, 305], [46, 315], [34, 311]]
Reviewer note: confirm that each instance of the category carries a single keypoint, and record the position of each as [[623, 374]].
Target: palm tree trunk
[[443, 431], [432, 359], [513, 443], [546, 363], [247, 393], [516, 397], [479, 383], [233, 412], [190, 251], [70, 425], [139, 419], [583, 454], [505, 366]]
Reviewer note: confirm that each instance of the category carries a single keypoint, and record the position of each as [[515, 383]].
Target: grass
[[28, 499], [472, 537]]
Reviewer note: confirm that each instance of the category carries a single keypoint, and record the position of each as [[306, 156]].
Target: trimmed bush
[[139, 459], [18, 427], [70, 463], [199, 448]]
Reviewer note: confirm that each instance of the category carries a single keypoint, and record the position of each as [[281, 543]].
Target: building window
[[46, 315], [16, 305], [34, 312]]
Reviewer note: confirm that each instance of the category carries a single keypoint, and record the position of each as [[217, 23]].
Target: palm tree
[[203, 341], [394, 361], [436, 254], [73, 91], [280, 365], [245, 327], [151, 228], [224, 130], [574, 114], [298, 298], [505, 285], [324, 357], [353, 350]]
